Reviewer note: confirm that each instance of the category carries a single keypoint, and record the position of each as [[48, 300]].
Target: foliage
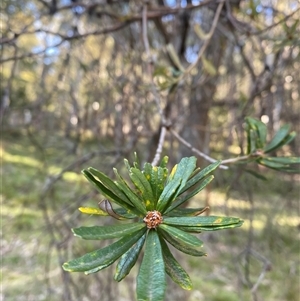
[[259, 150], [154, 204]]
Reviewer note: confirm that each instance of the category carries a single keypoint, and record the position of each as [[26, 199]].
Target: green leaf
[[256, 174], [200, 221], [270, 163], [127, 164], [109, 194], [290, 137], [109, 184], [97, 211], [252, 141], [284, 160], [151, 282], [260, 130], [144, 187], [200, 176], [147, 171], [169, 194], [135, 200], [278, 138], [199, 229], [174, 269], [181, 236], [136, 162], [181, 245], [178, 180], [157, 181], [102, 258], [278, 166], [106, 232], [183, 199], [164, 162], [187, 211], [128, 260]]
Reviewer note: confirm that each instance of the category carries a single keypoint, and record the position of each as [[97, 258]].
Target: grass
[[31, 262]]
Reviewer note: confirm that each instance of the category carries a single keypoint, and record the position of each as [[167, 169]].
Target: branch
[[154, 91], [208, 158], [207, 41], [195, 150], [123, 22], [159, 146]]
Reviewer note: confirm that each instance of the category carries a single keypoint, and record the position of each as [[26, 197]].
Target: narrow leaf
[[185, 198], [93, 211], [106, 232], [109, 184], [183, 171], [102, 258], [147, 171], [136, 162], [284, 160], [182, 236], [127, 164], [200, 221], [164, 162], [199, 229], [271, 164], [128, 260], [151, 282], [260, 129], [187, 211], [174, 269], [157, 182], [97, 211], [278, 138], [252, 138], [109, 194], [144, 187], [200, 176], [180, 245], [135, 200]]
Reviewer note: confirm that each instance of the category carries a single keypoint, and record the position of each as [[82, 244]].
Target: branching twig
[[206, 42], [195, 150], [154, 91], [159, 146], [206, 157]]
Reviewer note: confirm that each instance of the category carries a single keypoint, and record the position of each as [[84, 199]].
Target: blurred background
[[90, 82]]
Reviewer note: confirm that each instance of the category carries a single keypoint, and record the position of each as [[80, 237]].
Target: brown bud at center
[[153, 219]]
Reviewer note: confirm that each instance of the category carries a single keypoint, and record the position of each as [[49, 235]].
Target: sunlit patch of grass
[[20, 159], [73, 177]]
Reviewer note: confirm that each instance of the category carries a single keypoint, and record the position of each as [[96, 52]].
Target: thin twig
[[206, 157], [195, 150], [145, 32], [234, 160], [159, 146], [267, 267]]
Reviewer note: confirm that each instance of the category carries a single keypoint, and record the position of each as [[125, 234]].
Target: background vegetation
[[87, 83]]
